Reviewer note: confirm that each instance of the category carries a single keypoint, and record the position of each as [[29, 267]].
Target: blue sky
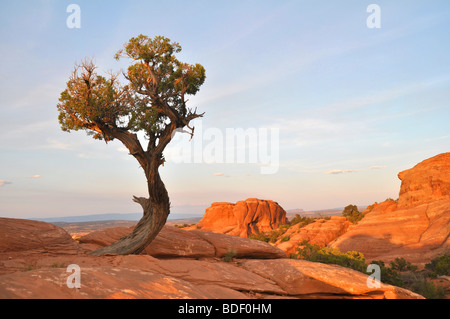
[[354, 106]]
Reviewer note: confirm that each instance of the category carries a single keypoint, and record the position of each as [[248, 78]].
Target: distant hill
[[108, 217], [319, 213]]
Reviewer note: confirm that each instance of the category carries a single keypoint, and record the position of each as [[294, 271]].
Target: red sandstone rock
[[247, 217], [19, 235], [143, 276], [321, 233], [175, 242], [417, 228], [426, 182], [306, 279]]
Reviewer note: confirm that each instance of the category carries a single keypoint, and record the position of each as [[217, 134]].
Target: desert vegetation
[[278, 233], [352, 213], [399, 272]]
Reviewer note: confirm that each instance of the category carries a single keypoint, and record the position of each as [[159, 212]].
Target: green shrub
[[273, 235], [400, 264], [229, 255], [428, 289], [259, 236], [327, 255], [303, 221], [285, 238], [184, 225], [439, 266], [352, 213], [389, 275]]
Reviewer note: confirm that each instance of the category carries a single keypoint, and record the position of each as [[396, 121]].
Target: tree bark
[[156, 209]]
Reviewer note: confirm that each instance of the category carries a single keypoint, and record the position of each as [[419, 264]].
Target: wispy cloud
[[219, 174], [36, 176], [310, 131], [4, 182], [341, 171], [377, 166]]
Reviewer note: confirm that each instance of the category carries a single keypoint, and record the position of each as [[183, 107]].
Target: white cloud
[[4, 182], [341, 171], [312, 131], [57, 145], [219, 174], [36, 176], [377, 167]]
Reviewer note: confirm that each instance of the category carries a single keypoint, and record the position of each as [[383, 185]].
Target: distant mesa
[[250, 216]]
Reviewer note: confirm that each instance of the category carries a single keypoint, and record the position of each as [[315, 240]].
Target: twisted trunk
[[156, 209]]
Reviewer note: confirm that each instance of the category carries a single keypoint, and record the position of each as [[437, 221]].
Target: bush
[[439, 266], [409, 279], [229, 255], [326, 255], [259, 236], [303, 221], [285, 238], [389, 275], [400, 264], [273, 235], [352, 213], [428, 289], [184, 225]]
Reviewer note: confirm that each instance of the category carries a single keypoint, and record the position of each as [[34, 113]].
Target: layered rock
[[416, 228], [320, 232], [143, 276], [24, 273], [426, 182], [19, 235], [244, 218], [175, 242]]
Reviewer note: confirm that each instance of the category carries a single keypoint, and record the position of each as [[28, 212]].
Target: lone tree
[[153, 101], [352, 213]]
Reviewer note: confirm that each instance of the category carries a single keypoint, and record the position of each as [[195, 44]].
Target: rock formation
[[187, 267], [427, 182], [416, 228], [320, 232], [244, 218], [175, 242], [19, 235]]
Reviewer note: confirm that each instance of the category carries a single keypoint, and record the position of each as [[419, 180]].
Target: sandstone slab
[[19, 235], [175, 242]]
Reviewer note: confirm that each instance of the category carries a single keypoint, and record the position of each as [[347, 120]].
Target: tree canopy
[[153, 101]]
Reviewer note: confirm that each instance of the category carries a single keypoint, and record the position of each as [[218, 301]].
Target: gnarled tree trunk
[[156, 209]]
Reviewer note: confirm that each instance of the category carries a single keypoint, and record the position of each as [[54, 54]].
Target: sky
[[343, 106]]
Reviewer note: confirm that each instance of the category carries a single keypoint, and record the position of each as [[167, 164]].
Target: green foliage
[[303, 221], [285, 238], [352, 213], [275, 234], [153, 98], [91, 99], [259, 236], [229, 255], [439, 266], [428, 289], [271, 236], [400, 264], [183, 225], [401, 273], [389, 275], [327, 255]]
